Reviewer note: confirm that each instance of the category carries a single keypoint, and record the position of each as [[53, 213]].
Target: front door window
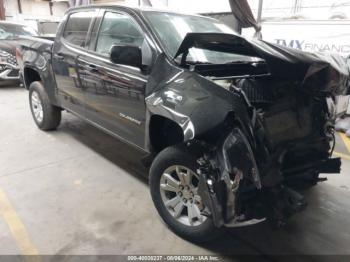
[[117, 29]]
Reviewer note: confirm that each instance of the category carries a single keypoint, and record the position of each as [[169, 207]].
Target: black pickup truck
[[233, 127]]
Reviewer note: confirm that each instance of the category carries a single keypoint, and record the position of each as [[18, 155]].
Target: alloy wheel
[[179, 192], [37, 107]]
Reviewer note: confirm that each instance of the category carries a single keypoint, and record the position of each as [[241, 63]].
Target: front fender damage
[[157, 107], [196, 104]]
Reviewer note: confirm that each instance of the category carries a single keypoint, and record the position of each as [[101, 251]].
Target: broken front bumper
[[219, 186], [231, 187]]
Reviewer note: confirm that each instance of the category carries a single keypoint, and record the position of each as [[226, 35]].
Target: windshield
[[172, 28], [13, 31]]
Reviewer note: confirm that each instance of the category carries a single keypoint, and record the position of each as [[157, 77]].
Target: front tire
[[46, 116], [173, 184]]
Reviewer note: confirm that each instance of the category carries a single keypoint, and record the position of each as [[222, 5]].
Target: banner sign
[[323, 36]]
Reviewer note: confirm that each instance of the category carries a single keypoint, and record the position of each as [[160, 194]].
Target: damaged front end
[[252, 170], [234, 190]]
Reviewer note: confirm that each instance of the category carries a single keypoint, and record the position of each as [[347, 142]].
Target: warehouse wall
[[40, 9], [34, 10], [199, 6], [108, 1]]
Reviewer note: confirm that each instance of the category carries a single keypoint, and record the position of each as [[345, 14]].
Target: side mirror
[[126, 55]]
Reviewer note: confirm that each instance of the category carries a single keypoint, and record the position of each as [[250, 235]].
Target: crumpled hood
[[319, 71]]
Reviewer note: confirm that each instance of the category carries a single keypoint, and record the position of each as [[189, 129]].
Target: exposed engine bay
[[294, 139], [252, 172]]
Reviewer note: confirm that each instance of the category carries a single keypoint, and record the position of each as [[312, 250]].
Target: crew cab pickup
[[234, 127]]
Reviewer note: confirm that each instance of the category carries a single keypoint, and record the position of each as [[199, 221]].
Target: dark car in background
[[10, 34]]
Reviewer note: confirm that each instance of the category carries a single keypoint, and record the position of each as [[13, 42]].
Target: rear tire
[[46, 116], [179, 156]]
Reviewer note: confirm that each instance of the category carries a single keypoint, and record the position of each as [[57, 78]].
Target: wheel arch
[[30, 75], [164, 132]]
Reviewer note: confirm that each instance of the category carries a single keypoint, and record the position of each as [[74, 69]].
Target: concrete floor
[[80, 191]]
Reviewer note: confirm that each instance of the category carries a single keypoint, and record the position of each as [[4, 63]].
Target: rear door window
[[118, 29], [77, 27]]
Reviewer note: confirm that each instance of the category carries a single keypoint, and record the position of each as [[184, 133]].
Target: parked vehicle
[[234, 126], [9, 40]]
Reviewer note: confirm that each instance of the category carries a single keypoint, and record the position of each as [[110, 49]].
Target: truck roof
[[138, 9]]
